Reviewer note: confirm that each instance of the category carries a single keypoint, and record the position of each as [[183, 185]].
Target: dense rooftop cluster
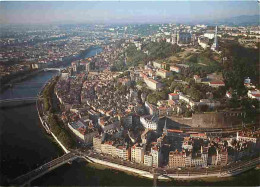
[[118, 104]]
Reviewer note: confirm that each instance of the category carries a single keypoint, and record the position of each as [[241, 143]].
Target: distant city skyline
[[117, 12]]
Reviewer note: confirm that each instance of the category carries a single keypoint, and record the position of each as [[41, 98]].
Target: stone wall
[[212, 120], [216, 120]]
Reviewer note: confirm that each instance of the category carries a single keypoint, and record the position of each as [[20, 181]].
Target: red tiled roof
[[173, 94], [174, 130], [162, 108]]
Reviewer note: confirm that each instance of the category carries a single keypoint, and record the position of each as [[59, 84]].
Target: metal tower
[[214, 46]]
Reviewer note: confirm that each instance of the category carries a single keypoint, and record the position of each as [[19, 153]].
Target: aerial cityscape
[[130, 93]]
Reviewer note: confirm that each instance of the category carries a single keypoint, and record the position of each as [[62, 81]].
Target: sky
[[121, 11]]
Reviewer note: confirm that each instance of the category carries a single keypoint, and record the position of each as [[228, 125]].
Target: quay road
[[114, 160], [220, 171]]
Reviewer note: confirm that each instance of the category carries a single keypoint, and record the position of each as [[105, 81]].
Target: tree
[[140, 83], [188, 113], [162, 95], [161, 50], [151, 98], [242, 62], [174, 85]]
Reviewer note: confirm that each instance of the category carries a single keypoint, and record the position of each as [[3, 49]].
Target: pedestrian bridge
[[17, 101], [38, 172]]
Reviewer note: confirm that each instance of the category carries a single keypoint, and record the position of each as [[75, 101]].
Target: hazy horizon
[[122, 12]]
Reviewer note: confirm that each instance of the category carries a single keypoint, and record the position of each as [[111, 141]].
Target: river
[[23, 142]]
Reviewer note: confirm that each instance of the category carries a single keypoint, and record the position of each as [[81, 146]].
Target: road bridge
[[45, 168], [17, 101], [223, 171], [54, 69]]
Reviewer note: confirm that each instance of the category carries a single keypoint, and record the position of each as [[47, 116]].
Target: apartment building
[[222, 157], [123, 152], [173, 96], [157, 156], [148, 159], [175, 69], [152, 84], [163, 73], [247, 137], [216, 84], [107, 147], [97, 143], [83, 131], [149, 122], [137, 154], [177, 159], [152, 109]]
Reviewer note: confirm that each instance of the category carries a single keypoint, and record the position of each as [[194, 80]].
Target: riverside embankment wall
[[125, 168], [169, 176]]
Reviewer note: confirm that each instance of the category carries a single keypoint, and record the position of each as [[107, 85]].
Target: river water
[[23, 142]]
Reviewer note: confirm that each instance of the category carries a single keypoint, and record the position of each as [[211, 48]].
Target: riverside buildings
[[177, 159], [137, 154]]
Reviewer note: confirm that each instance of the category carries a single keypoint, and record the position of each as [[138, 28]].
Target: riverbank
[[65, 62], [48, 119], [238, 180], [92, 174], [232, 170]]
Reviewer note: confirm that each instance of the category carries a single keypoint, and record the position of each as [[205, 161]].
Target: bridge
[[38, 172], [17, 101], [27, 83], [54, 69], [223, 171]]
